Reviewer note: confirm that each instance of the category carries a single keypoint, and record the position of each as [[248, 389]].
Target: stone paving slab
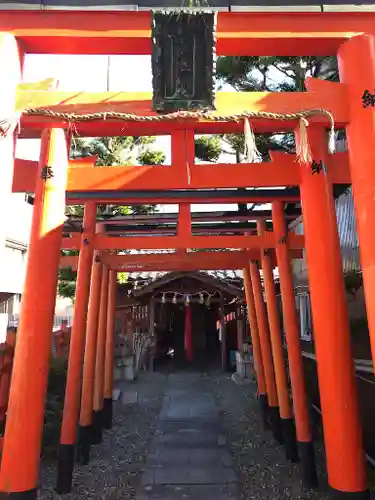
[[186, 412], [188, 475], [221, 492], [207, 424], [189, 439], [190, 456]]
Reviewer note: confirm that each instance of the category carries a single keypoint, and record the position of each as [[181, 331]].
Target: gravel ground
[[264, 472], [117, 463]]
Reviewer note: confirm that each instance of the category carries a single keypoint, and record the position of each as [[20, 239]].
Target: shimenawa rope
[[252, 154]]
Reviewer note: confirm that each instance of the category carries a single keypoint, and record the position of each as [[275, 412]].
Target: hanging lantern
[[187, 300], [174, 300], [201, 298], [163, 299], [208, 301]]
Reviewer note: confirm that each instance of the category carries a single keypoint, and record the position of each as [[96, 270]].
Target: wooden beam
[[238, 33], [281, 171], [150, 198], [173, 242], [177, 261], [140, 103], [24, 176]]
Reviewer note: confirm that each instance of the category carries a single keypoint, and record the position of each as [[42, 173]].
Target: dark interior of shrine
[[170, 328]]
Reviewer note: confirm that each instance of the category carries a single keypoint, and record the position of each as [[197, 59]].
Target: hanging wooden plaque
[[183, 61]]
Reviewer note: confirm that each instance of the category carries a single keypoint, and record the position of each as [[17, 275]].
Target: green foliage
[[115, 151], [122, 278], [111, 151], [271, 74], [150, 157], [54, 407], [208, 148], [274, 73], [66, 285], [66, 289]]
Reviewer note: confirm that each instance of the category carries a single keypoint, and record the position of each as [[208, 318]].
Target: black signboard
[[183, 61]]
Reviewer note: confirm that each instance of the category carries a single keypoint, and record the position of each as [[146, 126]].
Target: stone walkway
[[192, 436], [188, 455]]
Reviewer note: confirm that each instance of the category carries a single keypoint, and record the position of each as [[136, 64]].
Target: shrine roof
[[229, 282]]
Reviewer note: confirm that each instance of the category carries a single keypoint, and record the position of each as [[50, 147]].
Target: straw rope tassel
[[303, 149], [332, 140], [251, 151]]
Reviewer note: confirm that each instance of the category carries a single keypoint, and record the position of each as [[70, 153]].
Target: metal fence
[[13, 320]]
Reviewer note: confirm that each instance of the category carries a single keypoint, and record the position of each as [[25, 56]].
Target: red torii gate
[[344, 34]]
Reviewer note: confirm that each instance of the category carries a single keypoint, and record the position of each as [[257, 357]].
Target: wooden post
[[98, 404], [224, 364], [239, 327], [292, 334], [23, 434], [257, 352], [87, 398], [110, 350], [265, 344], [151, 317], [151, 332], [76, 353], [337, 385], [357, 70], [278, 355]]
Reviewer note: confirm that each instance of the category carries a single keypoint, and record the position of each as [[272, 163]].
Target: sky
[[95, 74]]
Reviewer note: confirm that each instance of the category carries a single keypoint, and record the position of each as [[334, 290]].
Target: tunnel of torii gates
[[57, 181]]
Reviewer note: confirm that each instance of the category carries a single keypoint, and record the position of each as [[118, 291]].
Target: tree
[[66, 285], [271, 74], [264, 74], [111, 151], [116, 151]]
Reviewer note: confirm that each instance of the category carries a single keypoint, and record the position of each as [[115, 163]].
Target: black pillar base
[[264, 411], [275, 421], [2, 425], [348, 495], [84, 444], [97, 427], [308, 466], [289, 437], [20, 495], [107, 413], [65, 466]]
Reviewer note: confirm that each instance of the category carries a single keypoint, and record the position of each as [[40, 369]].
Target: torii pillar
[[88, 377], [23, 434], [69, 425], [265, 344], [337, 386], [278, 355], [98, 402], [257, 351], [357, 71], [293, 340], [110, 350]]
